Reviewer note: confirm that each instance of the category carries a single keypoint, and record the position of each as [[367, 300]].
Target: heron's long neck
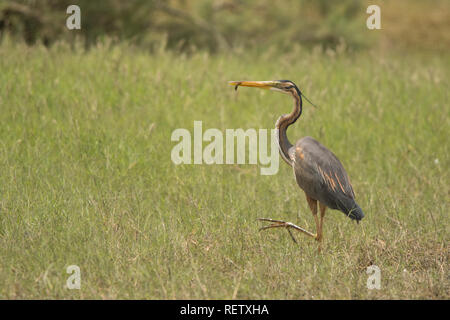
[[283, 123]]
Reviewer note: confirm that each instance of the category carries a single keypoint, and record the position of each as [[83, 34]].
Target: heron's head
[[284, 86]]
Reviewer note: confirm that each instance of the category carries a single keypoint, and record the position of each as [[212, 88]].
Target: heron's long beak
[[256, 84]]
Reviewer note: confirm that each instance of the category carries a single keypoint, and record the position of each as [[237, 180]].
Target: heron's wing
[[320, 174]]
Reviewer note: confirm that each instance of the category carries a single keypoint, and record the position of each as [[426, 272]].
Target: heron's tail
[[351, 209], [356, 213]]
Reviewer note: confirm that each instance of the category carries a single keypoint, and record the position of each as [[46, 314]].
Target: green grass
[[86, 176]]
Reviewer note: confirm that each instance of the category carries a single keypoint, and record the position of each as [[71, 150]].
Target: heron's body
[[321, 176], [318, 172]]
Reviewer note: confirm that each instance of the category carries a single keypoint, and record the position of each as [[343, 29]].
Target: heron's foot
[[287, 225]]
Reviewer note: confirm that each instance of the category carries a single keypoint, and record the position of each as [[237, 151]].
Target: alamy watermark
[[213, 152], [374, 279], [74, 20], [374, 20], [74, 280]]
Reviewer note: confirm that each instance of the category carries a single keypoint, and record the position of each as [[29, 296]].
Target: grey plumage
[[321, 175]]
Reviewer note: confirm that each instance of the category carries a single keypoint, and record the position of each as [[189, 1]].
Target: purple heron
[[318, 172]]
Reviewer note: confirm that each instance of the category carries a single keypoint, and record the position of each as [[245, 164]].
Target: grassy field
[[86, 176]]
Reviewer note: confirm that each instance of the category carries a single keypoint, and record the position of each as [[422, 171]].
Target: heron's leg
[[320, 231], [284, 224], [322, 215], [313, 206]]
